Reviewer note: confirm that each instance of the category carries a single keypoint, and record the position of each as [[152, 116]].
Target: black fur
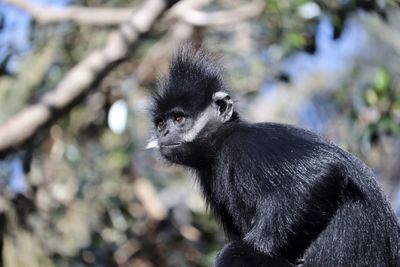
[[193, 78], [280, 192]]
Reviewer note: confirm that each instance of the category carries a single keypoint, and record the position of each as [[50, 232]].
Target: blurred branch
[[203, 19], [21, 127], [147, 195], [179, 32], [81, 15], [190, 22], [156, 59], [112, 16]]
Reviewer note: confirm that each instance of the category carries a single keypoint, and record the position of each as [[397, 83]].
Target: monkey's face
[[189, 106], [177, 130], [170, 130]]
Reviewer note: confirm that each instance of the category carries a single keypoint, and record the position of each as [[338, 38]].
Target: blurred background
[[77, 187]]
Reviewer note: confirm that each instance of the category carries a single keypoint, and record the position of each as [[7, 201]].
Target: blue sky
[[15, 35]]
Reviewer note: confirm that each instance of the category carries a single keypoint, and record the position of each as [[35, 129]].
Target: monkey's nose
[[166, 132]]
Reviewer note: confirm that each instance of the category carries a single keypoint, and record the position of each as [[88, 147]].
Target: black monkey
[[281, 193]]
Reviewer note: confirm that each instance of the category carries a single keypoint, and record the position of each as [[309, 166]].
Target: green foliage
[[374, 107]]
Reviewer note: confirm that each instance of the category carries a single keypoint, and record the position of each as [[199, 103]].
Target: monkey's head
[[191, 105]]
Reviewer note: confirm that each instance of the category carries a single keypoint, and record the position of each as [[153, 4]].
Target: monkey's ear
[[223, 105]]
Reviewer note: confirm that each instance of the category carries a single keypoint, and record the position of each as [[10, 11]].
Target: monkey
[[280, 192]]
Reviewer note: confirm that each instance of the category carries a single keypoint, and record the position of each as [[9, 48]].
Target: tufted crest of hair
[[194, 76]]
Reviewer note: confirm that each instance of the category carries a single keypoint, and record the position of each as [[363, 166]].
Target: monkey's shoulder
[[274, 138], [275, 146]]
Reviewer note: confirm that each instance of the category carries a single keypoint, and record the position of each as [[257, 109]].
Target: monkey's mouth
[[173, 145]]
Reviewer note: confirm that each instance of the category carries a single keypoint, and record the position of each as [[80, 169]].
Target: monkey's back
[[281, 159]]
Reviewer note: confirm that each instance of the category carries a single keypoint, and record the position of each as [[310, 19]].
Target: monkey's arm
[[286, 215]]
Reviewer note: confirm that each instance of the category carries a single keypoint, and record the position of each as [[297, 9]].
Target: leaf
[[295, 40], [381, 81], [370, 97]]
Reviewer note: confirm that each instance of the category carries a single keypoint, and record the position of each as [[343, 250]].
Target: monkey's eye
[[160, 124], [179, 119]]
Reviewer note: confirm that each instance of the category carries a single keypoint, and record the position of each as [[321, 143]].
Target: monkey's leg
[[239, 254]]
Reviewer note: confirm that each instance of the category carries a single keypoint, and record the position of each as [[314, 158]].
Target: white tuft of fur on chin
[[152, 144]]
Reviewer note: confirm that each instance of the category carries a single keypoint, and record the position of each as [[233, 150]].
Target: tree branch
[[82, 15], [111, 16], [177, 33], [21, 127], [189, 17], [218, 18]]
